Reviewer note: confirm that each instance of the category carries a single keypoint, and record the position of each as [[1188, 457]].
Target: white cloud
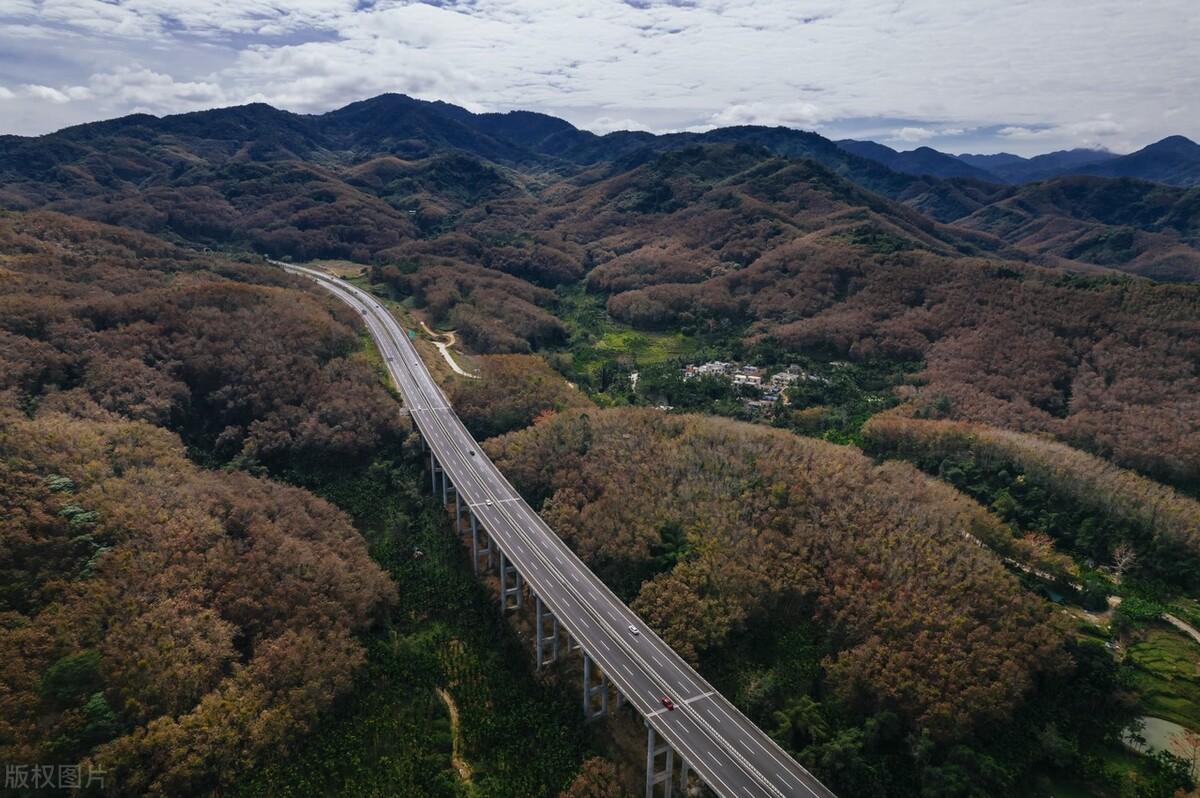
[[607, 124], [141, 89], [793, 114], [1098, 131], [1032, 65], [53, 95], [6, 94], [914, 134]]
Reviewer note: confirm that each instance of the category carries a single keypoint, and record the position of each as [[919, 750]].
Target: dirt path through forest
[[444, 348], [1182, 626], [460, 764]]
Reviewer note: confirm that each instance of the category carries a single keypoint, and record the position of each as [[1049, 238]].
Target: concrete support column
[[445, 486], [433, 470], [507, 588], [683, 775], [546, 643], [653, 775], [595, 696], [476, 549], [457, 514], [474, 541]]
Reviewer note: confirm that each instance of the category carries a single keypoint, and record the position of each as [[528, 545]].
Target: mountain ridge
[[1173, 161], [363, 178]]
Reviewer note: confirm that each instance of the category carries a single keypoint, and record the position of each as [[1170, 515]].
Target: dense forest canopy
[[1116, 507], [512, 392], [100, 319], [728, 523], [167, 623]]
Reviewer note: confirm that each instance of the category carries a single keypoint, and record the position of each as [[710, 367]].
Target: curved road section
[[732, 755]]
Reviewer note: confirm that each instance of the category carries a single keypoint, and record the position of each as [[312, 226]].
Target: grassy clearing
[[646, 349], [596, 338], [1167, 673], [341, 268]]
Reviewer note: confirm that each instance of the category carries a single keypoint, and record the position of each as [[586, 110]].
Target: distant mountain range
[[362, 179], [1174, 161]]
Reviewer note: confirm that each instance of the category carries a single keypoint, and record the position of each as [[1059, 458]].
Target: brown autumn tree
[[147, 331], [1165, 522], [167, 623], [512, 391], [727, 523]]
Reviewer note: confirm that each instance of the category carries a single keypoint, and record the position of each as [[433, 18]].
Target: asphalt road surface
[[734, 757]]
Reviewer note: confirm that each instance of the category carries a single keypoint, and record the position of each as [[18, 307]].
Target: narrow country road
[[444, 348]]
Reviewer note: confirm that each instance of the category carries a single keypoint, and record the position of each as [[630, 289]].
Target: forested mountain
[[1015, 169], [1173, 161], [1141, 228], [1032, 350], [1001, 167], [729, 237], [921, 161], [354, 181]]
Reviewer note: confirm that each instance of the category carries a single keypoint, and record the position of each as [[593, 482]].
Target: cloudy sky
[[1022, 76]]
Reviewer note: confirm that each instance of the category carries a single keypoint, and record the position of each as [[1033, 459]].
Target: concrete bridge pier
[[654, 776], [477, 550], [545, 642], [434, 468], [684, 772], [480, 550], [595, 696], [506, 591]]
